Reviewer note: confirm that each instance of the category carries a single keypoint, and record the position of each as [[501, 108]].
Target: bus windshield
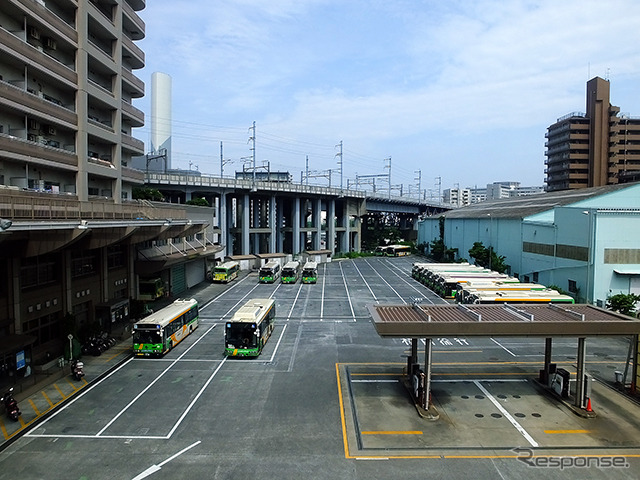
[[147, 336], [241, 335]]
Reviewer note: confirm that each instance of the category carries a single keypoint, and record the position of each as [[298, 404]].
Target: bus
[[470, 287], [310, 272], [291, 272], [547, 296], [150, 289], [397, 250], [269, 272], [226, 272], [250, 328], [380, 250], [158, 333]]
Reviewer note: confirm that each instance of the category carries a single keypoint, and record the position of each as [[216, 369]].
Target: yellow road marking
[[59, 391], [4, 430], [71, 383], [410, 432], [344, 424], [33, 405], [566, 431], [44, 394]]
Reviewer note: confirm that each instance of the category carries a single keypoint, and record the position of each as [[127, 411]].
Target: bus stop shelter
[[503, 320]]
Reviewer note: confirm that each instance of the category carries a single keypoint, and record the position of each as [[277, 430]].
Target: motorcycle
[[77, 369], [11, 405]]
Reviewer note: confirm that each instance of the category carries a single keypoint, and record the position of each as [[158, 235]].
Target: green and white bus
[[310, 272], [150, 289], [158, 333], [250, 327], [269, 272], [226, 272], [291, 272]]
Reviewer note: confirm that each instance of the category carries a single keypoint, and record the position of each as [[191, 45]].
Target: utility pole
[[307, 169], [388, 159], [223, 162], [252, 139], [339, 155]]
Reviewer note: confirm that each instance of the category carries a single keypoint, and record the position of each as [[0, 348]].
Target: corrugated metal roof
[[521, 207], [428, 321]]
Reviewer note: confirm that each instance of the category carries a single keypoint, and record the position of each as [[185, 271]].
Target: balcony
[[134, 115], [132, 175], [19, 149], [136, 85], [40, 61], [132, 144], [44, 16], [137, 5], [132, 53], [132, 22], [16, 98]]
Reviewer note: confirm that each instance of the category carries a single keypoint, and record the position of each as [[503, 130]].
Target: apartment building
[[67, 84], [598, 147]]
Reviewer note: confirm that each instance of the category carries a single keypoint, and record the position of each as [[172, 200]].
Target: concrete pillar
[[246, 222], [295, 223], [331, 225], [547, 358], [257, 208], [279, 223], [223, 220], [272, 225], [317, 223], [346, 238]]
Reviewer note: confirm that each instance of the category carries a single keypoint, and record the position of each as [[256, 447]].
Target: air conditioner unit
[[51, 130], [34, 125], [50, 43], [34, 33]]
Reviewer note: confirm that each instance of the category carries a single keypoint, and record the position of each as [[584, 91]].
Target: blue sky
[[461, 90]]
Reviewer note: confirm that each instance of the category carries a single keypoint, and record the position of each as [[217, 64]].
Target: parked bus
[[269, 272], [158, 333], [310, 272], [150, 289], [471, 286], [250, 328], [291, 272], [447, 285], [380, 251], [547, 296], [226, 272], [397, 250]]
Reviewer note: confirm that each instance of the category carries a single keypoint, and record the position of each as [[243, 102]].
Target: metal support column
[[279, 223], [257, 222], [580, 386], [547, 359], [427, 371]]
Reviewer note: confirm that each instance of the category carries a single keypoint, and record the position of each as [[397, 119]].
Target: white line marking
[[353, 314], [152, 383], [84, 392], [503, 347], [154, 468], [277, 345], [365, 282], [389, 285], [506, 414], [375, 381], [184, 414], [294, 301], [324, 276]]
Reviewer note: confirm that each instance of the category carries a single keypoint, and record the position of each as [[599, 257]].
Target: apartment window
[[115, 257], [573, 287], [83, 263], [37, 271]]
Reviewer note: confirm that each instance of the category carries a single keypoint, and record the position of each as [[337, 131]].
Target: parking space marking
[[503, 347], [353, 314], [506, 414], [565, 432], [410, 432]]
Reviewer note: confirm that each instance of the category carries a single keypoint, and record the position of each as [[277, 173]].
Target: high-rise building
[[66, 92], [592, 149], [161, 115]]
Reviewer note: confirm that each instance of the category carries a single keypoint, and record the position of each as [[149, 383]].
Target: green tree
[[488, 258], [146, 193], [624, 303], [201, 202]]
